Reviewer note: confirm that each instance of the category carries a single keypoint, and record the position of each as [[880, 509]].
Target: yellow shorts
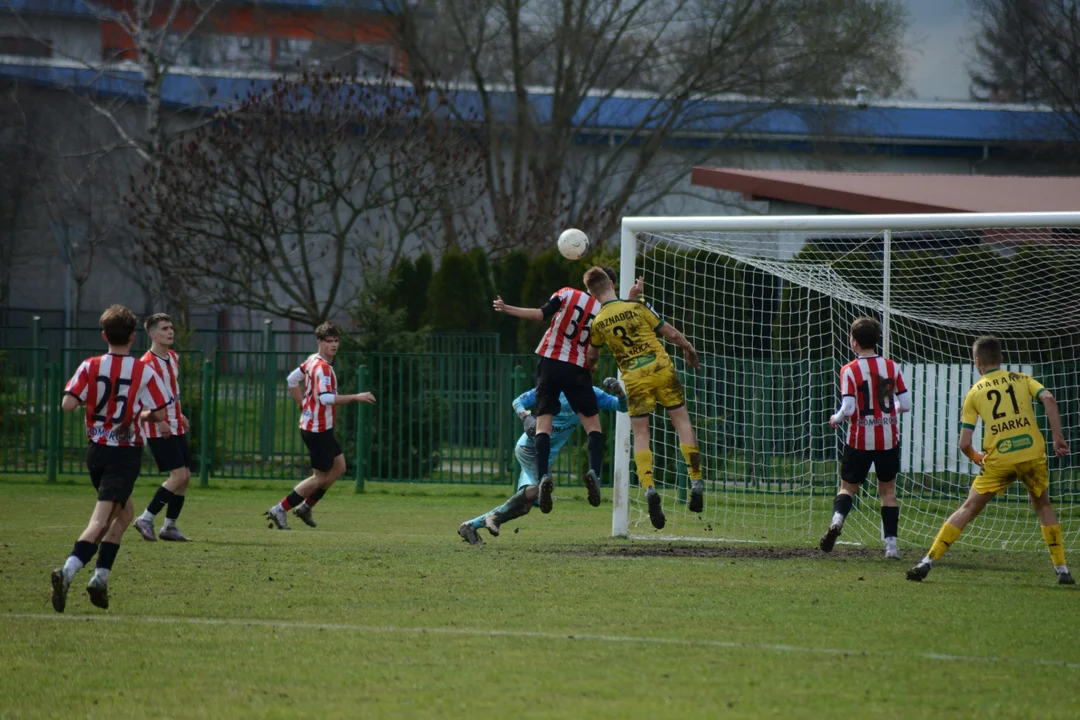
[[996, 478], [650, 384]]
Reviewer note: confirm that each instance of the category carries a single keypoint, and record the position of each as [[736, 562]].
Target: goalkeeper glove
[[529, 422], [614, 387]]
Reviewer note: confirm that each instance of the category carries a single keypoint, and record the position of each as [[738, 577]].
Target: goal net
[[768, 303]]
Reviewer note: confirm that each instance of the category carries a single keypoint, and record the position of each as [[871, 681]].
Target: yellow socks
[[945, 537], [643, 460], [693, 460], [1052, 536]]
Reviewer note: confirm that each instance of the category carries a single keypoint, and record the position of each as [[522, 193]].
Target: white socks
[[1061, 569], [926, 561], [837, 520], [71, 566], [102, 573], [169, 522], [147, 516]]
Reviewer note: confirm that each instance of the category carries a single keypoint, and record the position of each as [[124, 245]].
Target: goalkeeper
[[629, 329], [528, 487], [1016, 451]]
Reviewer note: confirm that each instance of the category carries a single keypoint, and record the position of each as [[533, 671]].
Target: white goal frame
[[883, 224]]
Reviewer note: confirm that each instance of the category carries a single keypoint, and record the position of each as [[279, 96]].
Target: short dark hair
[[326, 331], [612, 276], [118, 323], [597, 280], [867, 332], [154, 320], [987, 350]]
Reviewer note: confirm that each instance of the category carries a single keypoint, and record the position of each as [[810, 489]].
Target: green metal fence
[[447, 418]]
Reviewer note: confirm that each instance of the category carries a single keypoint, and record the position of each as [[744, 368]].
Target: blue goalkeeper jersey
[[563, 424]]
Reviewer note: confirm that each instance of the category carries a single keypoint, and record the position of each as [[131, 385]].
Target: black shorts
[[170, 452], [323, 447], [856, 463], [113, 471], [575, 382]]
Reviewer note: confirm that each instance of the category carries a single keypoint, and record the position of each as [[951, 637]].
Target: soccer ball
[[573, 244]]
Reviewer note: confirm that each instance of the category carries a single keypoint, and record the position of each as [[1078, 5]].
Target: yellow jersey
[[628, 328], [1003, 399]]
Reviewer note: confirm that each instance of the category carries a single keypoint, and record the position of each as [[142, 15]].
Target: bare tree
[[680, 53], [1028, 51], [279, 202]]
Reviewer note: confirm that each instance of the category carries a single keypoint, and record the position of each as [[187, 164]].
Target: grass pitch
[[382, 612]]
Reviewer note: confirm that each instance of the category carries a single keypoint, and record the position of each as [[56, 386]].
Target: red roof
[[880, 193]]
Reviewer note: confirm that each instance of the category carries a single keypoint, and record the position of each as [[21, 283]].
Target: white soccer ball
[[573, 244]]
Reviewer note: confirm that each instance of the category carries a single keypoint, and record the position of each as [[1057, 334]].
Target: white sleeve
[[903, 402], [295, 377], [847, 409]]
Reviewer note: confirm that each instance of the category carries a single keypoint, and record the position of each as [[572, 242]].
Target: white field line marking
[[480, 632]]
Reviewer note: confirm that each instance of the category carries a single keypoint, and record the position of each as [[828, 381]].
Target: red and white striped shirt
[[168, 369], [873, 382], [568, 337], [319, 379], [115, 389]]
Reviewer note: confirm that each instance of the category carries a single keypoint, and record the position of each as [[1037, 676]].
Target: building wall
[[72, 37]]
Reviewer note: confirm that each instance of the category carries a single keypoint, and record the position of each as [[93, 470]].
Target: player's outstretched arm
[[364, 397], [674, 336], [522, 404], [637, 288], [613, 397], [1061, 447], [519, 312]]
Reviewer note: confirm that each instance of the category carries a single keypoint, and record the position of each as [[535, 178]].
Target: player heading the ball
[[629, 330], [873, 395], [1015, 450]]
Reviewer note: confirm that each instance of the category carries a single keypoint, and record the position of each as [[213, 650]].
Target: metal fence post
[[36, 375], [52, 414], [266, 440], [205, 452], [363, 430]]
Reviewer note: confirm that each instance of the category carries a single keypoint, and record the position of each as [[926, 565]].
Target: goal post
[[768, 301]]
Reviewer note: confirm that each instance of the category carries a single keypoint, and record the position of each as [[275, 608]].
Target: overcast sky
[[938, 29]]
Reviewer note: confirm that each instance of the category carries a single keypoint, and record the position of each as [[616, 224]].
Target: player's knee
[[532, 492], [339, 467]]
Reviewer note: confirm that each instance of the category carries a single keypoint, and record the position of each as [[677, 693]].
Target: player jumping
[[874, 394], [528, 489], [1016, 451], [167, 439], [319, 402], [119, 392], [629, 330]]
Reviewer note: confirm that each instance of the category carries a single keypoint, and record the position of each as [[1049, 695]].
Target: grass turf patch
[[382, 611]]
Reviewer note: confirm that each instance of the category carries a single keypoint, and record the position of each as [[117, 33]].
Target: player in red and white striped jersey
[[563, 369], [318, 403], [874, 395], [118, 392], [167, 439]]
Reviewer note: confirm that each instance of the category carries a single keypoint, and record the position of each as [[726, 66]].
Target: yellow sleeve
[[1035, 387], [970, 414], [651, 318]]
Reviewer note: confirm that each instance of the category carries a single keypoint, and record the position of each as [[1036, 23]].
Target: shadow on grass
[[722, 551]]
